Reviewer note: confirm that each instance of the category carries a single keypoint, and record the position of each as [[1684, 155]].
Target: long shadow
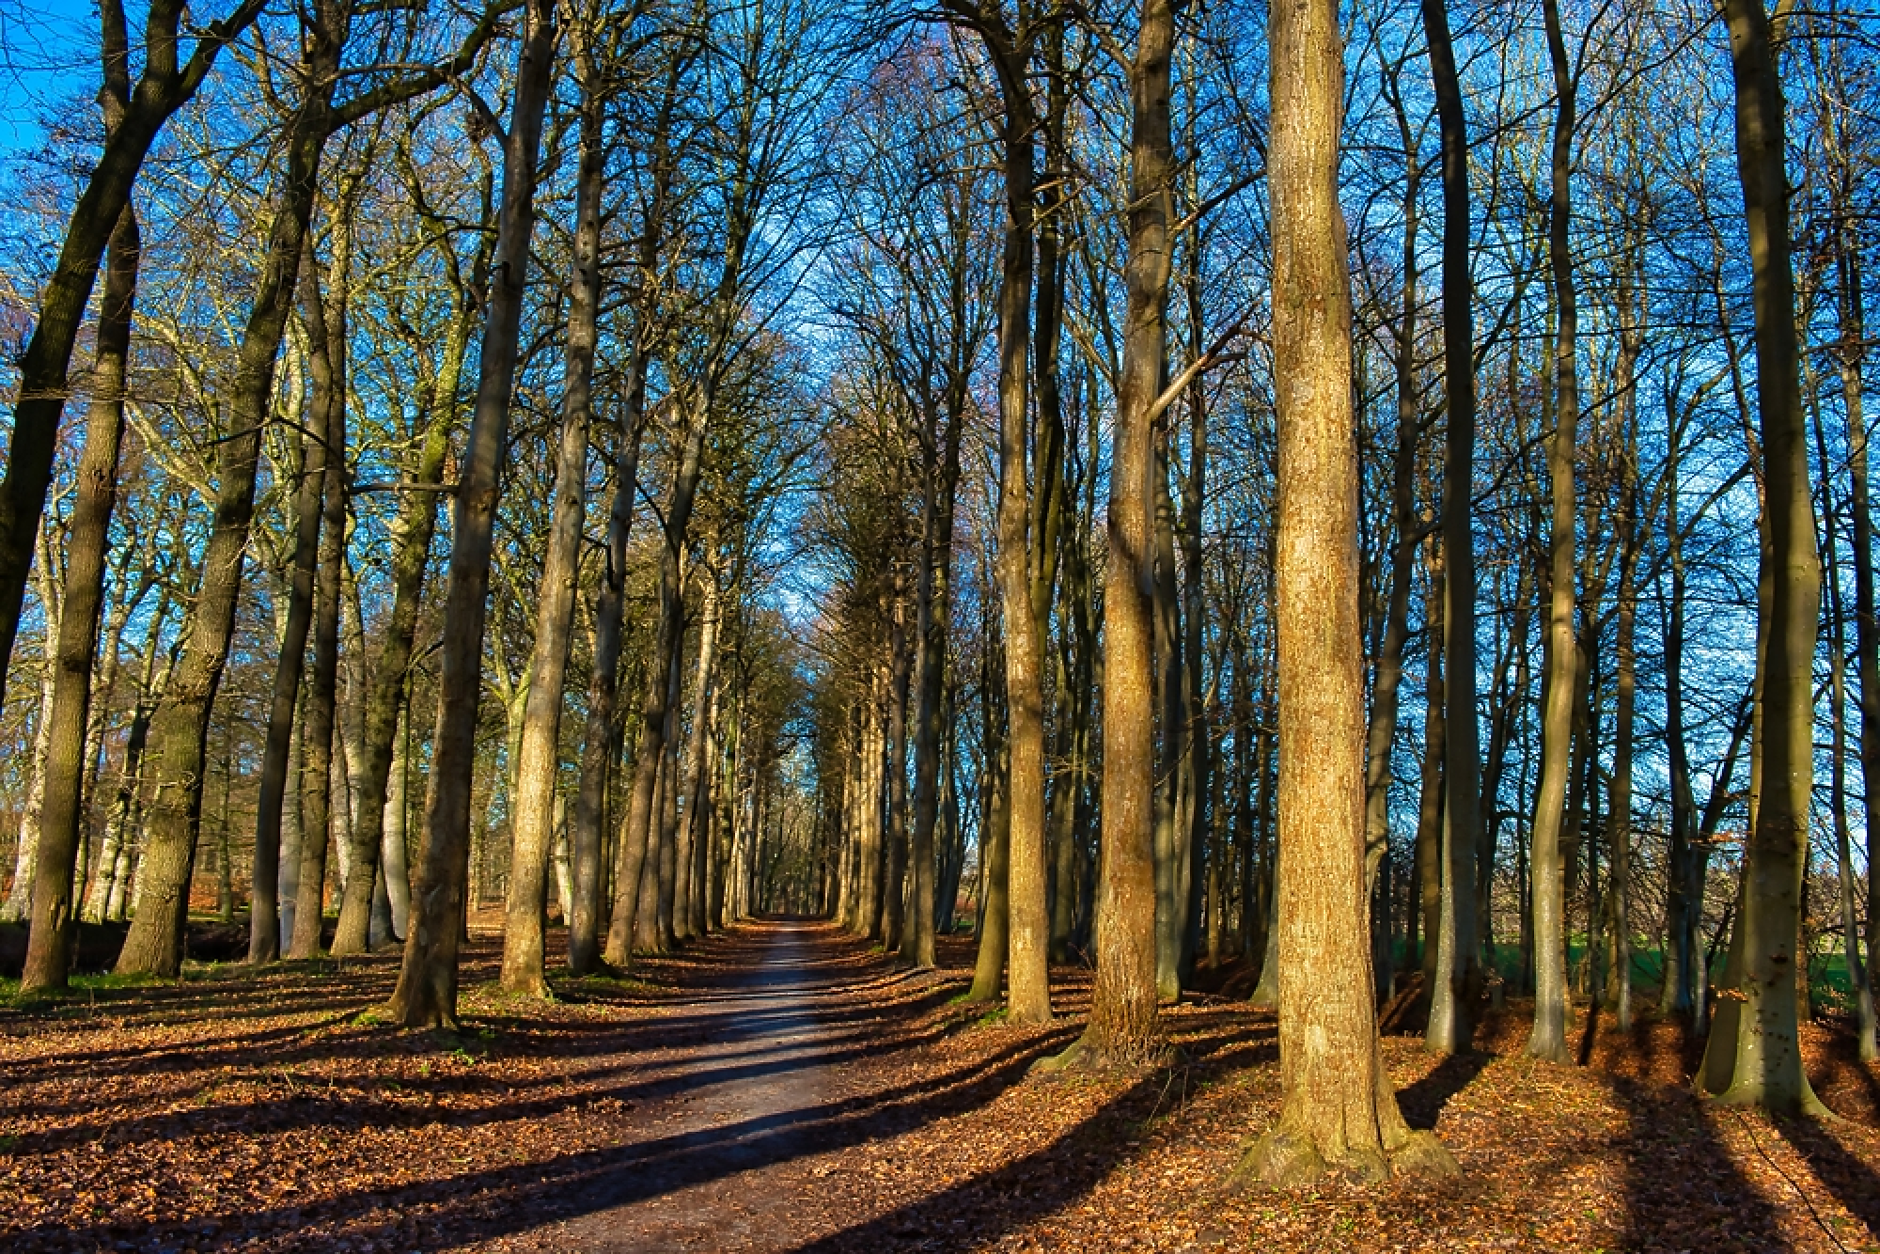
[[976, 1212], [360, 1104], [565, 1039], [1854, 1184], [506, 1200], [1682, 1190], [1422, 1101], [363, 1104]]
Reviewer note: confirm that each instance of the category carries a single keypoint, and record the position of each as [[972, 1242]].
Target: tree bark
[[1125, 1023], [1338, 1110], [1459, 974], [1768, 1065], [540, 759], [900, 658], [179, 728], [1548, 1038], [426, 995], [54, 918], [695, 790], [1028, 996], [320, 811]]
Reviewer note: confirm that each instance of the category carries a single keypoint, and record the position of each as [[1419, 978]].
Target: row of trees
[[853, 318], [1568, 407], [389, 277]]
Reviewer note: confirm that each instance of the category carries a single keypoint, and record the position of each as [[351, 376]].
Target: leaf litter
[[262, 1111]]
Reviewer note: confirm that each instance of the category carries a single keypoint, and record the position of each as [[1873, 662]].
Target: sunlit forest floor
[[783, 1088]]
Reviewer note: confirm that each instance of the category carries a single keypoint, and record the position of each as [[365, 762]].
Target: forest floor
[[782, 1088]]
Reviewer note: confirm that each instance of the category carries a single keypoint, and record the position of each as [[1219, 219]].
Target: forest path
[[721, 1157]]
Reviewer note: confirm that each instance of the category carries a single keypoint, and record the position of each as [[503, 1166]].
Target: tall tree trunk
[[1459, 973], [695, 789], [1171, 774], [1837, 754], [49, 944], [1619, 812], [1198, 734], [1387, 678], [540, 759], [995, 834], [1549, 1036], [179, 728], [320, 812], [1028, 996], [1124, 1020], [1851, 354], [932, 623], [1338, 1110], [426, 995], [1683, 908], [1768, 1063], [1427, 877], [900, 657]]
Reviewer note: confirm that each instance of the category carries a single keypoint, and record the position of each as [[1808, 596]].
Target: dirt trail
[[763, 1063]]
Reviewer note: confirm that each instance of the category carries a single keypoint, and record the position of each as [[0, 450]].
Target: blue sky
[[46, 50]]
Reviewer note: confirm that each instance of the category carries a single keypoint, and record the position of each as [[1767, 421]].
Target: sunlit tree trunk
[[540, 760], [1767, 1054], [894, 793], [694, 790], [995, 835], [179, 728], [1124, 1020], [1548, 1038], [1338, 1109], [320, 808], [1028, 996]]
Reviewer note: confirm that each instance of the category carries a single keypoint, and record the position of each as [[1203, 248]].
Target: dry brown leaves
[[258, 1113]]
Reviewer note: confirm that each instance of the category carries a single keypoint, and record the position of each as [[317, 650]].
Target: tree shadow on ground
[[1853, 1183], [976, 1212], [1422, 1101], [1683, 1192], [503, 1201]]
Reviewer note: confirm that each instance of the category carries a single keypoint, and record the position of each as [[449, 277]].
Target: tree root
[[1085, 1055], [1286, 1159]]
